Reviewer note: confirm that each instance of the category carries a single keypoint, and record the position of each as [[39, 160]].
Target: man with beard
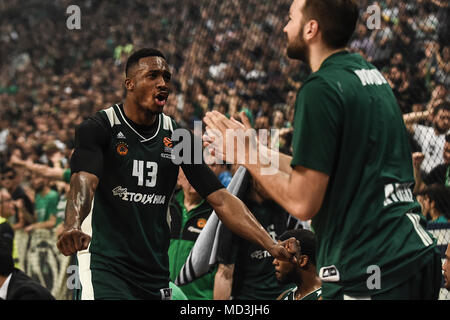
[[351, 168], [430, 139], [303, 272], [123, 176]]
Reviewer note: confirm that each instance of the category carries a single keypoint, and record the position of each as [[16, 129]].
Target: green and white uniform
[[254, 274], [348, 125], [290, 295], [185, 229], [127, 256]]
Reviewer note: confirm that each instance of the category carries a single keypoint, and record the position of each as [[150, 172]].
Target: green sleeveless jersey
[[348, 125], [128, 223]]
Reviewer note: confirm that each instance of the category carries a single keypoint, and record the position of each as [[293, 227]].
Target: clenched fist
[[71, 241]]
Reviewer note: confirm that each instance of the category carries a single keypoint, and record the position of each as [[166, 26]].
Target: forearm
[[223, 282], [414, 117], [79, 199], [278, 187], [275, 159], [238, 218], [300, 193]]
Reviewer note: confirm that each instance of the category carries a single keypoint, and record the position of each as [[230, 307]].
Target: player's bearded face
[[296, 46]]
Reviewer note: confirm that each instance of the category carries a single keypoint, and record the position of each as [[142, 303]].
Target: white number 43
[[146, 172]]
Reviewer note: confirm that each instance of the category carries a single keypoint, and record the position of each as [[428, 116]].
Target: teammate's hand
[[221, 131], [292, 245], [72, 241], [286, 250]]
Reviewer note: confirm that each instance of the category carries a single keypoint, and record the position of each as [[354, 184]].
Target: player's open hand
[[221, 133], [71, 241]]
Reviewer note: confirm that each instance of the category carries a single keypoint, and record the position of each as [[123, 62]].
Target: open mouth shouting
[[161, 98]]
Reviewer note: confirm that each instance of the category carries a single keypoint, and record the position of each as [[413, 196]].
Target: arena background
[[225, 55]]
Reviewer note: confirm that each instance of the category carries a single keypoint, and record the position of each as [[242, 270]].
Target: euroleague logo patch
[[122, 148], [201, 223], [168, 142]]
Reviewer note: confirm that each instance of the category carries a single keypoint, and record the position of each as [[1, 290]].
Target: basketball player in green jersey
[[303, 273], [351, 168], [123, 176]]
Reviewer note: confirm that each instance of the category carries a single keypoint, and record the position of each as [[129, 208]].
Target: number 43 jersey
[[128, 222]]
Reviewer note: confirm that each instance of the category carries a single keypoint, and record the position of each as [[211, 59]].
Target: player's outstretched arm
[[238, 218], [282, 186], [79, 200]]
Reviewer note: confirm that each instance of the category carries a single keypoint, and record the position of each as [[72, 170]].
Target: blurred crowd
[[225, 55]]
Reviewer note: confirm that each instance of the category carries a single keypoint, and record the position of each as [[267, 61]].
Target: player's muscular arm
[[86, 165], [79, 200], [238, 218], [285, 189], [283, 186]]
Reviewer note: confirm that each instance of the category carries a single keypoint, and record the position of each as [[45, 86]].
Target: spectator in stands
[[189, 213], [446, 268], [301, 272], [430, 139], [46, 204], [14, 284], [24, 207], [439, 175], [7, 210], [435, 203]]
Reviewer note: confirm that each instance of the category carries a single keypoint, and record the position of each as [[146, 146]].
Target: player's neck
[[137, 114], [318, 54], [310, 282]]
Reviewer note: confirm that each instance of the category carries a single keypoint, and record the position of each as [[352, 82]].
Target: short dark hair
[[6, 259], [442, 106], [337, 19], [307, 239], [142, 53], [440, 195], [7, 169]]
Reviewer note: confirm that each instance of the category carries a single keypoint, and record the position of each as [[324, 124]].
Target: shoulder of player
[[168, 123], [286, 293], [317, 81], [95, 127]]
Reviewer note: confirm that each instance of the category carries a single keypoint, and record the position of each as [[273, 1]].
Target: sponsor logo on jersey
[[122, 148], [120, 135], [260, 254], [137, 197], [329, 274], [193, 229]]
